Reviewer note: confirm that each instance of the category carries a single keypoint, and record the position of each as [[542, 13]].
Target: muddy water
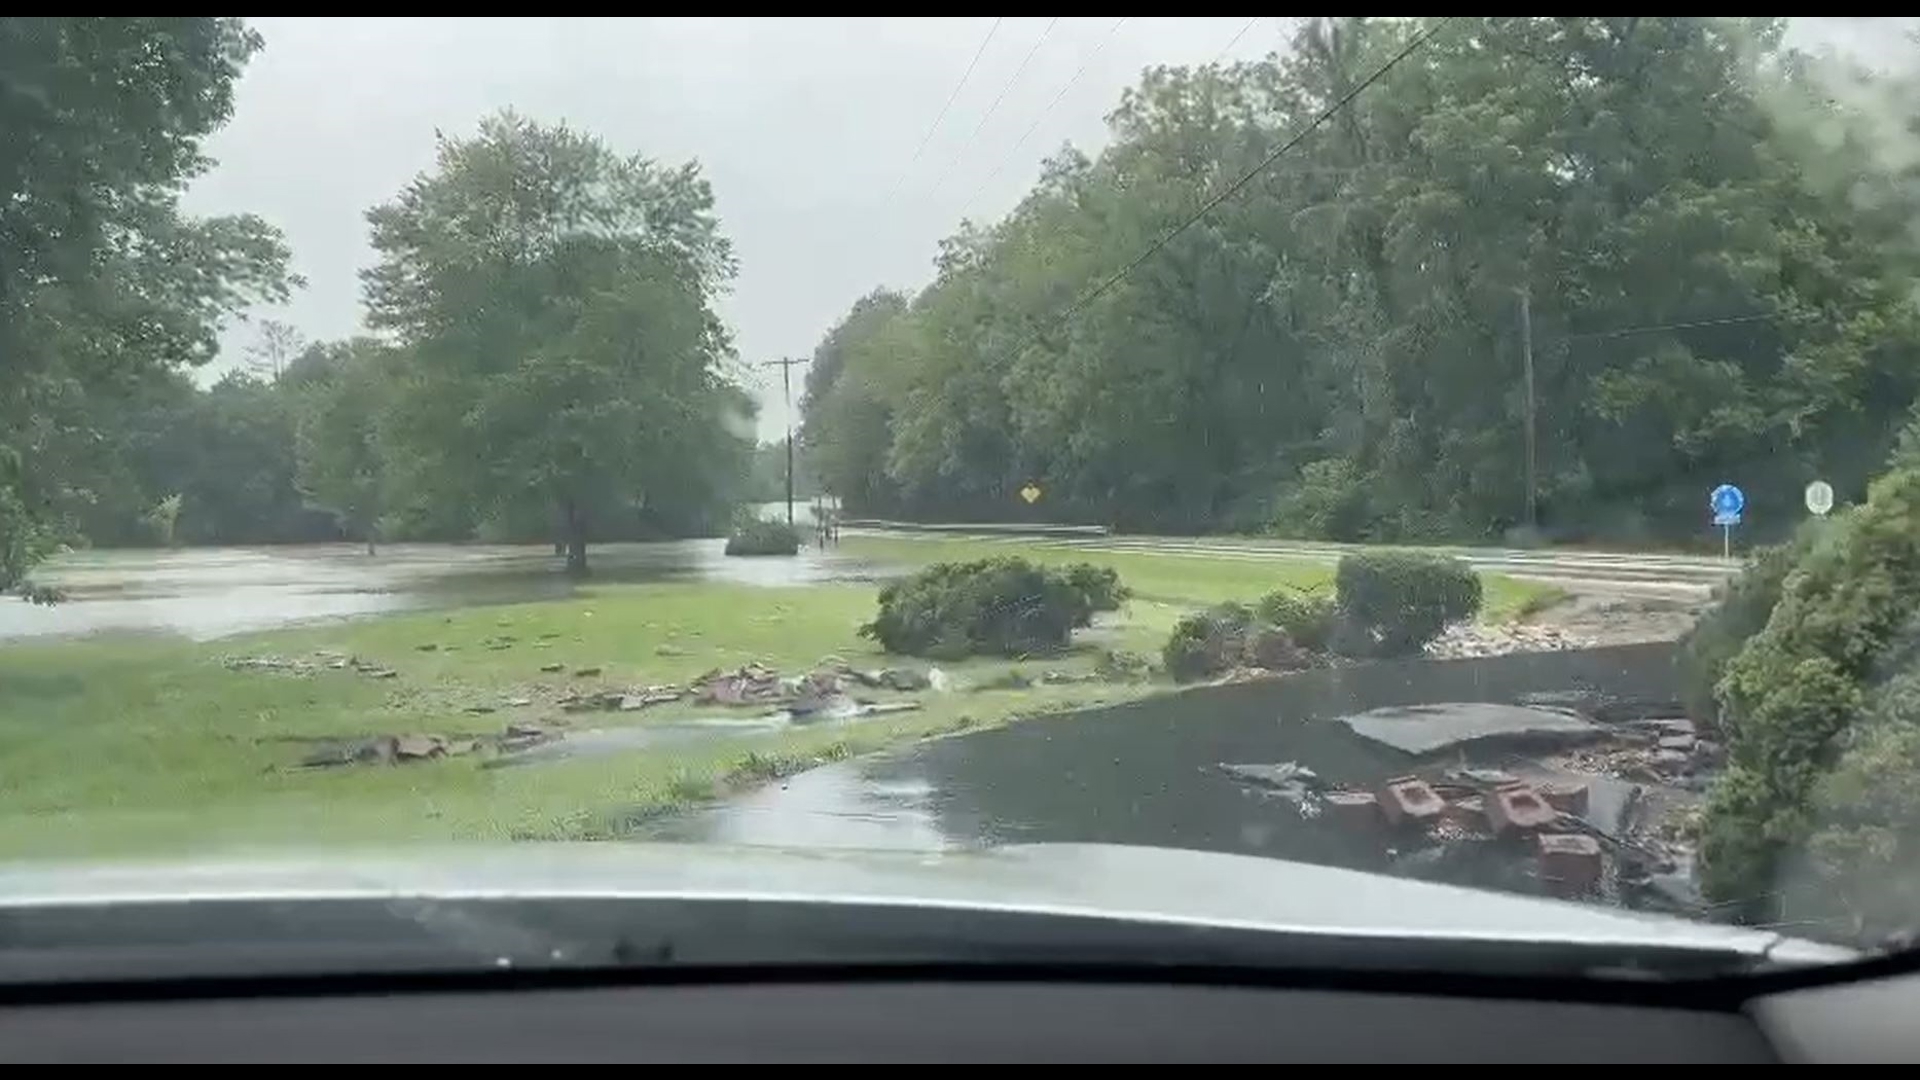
[[213, 592], [1148, 772]]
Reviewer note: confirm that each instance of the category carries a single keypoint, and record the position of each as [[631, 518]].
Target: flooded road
[[1150, 772], [205, 593]]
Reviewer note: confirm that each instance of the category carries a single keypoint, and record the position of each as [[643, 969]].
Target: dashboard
[[971, 1016]]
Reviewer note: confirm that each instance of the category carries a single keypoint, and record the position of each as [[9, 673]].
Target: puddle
[[606, 742], [1150, 772]]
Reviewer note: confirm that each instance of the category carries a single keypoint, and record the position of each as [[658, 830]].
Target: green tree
[[1337, 348], [101, 276], [553, 304], [341, 464]]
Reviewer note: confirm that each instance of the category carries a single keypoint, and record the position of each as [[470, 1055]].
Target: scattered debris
[[1536, 797], [905, 680], [330, 661], [1463, 640], [1353, 809], [749, 685], [270, 663], [646, 699], [1289, 780]]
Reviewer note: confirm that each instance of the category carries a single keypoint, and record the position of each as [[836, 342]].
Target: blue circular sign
[[1727, 499]]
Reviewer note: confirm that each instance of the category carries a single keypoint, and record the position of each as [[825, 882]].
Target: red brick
[[1354, 809], [1518, 806], [1566, 796], [1569, 863], [1407, 799]]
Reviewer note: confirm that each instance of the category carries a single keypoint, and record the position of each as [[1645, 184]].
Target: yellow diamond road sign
[[1031, 493]]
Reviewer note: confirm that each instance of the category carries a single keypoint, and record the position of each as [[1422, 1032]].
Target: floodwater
[[206, 593], [1149, 772]]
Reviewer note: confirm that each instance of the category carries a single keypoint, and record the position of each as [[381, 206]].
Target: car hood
[[1112, 884]]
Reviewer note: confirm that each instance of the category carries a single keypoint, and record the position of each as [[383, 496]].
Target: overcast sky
[[806, 128]]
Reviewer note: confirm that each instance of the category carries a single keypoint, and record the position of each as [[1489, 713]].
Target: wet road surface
[[1659, 574], [1149, 772], [206, 593]]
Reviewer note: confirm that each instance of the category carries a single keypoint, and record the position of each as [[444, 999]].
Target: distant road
[[1578, 571]]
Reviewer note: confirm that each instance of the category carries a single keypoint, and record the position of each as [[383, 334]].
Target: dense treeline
[[1718, 277], [547, 362], [105, 285]]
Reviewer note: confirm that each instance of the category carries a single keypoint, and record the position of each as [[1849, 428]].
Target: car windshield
[[1474, 450]]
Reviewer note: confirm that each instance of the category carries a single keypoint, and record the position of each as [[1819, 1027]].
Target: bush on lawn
[[1228, 637], [993, 607], [1392, 603], [1306, 617], [1207, 643], [755, 535]]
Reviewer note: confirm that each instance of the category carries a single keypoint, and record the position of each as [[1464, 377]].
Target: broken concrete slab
[[646, 700], [1430, 729]]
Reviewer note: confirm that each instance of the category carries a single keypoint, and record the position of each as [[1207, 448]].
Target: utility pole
[[1526, 368], [785, 364]]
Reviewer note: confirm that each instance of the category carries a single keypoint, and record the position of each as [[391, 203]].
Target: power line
[[988, 115], [1233, 189], [1730, 320], [1031, 128], [942, 114], [1232, 41]]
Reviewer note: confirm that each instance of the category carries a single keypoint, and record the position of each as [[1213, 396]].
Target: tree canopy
[[1337, 350], [103, 280], [558, 351]]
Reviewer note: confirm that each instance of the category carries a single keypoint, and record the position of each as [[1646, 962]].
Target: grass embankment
[[138, 744]]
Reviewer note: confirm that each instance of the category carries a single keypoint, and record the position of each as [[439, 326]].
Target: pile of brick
[[1490, 807]]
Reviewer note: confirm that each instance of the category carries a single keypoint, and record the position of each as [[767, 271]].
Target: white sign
[[1819, 497]]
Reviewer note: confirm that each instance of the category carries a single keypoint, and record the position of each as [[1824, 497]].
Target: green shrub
[[1393, 603], [754, 535], [1207, 642], [1798, 705], [997, 607], [1308, 618], [1744, 606]]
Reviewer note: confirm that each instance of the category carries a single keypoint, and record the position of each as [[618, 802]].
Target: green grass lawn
[[122, 745]]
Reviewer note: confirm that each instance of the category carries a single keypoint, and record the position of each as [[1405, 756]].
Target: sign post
[[1727, 503]]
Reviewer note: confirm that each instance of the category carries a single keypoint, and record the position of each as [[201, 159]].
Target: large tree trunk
[[576, 539]]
